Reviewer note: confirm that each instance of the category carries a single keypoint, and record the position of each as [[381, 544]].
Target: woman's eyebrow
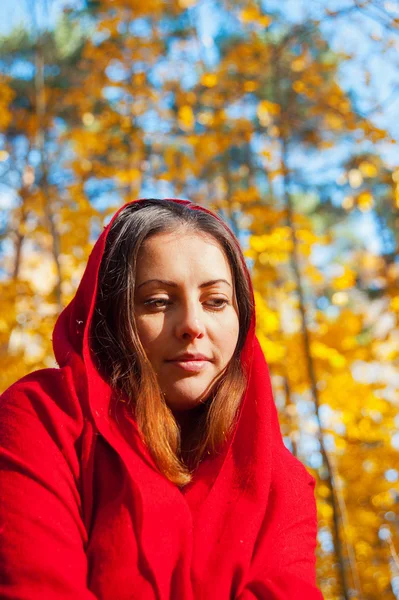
[[213, 281], [161, 281], [173, 284]]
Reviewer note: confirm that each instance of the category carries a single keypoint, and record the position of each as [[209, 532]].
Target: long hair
[[120, 356]]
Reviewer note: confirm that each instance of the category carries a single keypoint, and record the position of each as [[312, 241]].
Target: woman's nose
[[189, 325]]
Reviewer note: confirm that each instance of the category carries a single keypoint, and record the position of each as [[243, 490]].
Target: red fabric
[[85, 513]]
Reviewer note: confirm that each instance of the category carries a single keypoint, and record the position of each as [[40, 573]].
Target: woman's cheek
[[150, 327]]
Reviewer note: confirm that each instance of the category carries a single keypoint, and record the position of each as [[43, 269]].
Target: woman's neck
[[188, 421]]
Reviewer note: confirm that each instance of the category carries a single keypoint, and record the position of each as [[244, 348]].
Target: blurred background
[[282, 116]]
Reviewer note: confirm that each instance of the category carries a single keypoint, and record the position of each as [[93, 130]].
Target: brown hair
[[119, 354]]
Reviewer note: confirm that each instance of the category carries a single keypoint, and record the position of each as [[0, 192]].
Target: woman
[[150, 465]]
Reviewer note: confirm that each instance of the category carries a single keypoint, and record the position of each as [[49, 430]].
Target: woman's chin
[[185, 398]]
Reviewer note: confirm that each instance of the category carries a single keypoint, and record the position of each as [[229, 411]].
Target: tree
[[127, 99]]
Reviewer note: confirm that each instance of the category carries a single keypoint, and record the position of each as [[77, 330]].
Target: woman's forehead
[[182, 252], [181, 238]]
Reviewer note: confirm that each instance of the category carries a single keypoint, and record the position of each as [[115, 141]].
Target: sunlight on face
[[186, 314]]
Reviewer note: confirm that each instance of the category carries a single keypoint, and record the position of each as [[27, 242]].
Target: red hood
[[247, 520]]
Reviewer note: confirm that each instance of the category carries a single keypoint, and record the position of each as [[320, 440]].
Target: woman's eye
[[157, 302], [217, 303], [162, 303]]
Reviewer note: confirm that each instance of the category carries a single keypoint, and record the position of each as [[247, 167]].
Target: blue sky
[[13, 12]]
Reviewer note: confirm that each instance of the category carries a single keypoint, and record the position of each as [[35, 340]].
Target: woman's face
[[186, 314]]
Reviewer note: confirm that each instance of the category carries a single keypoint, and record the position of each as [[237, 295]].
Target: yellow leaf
[[125, 177], [274, 352], [325, 511], [186, 118], [331, 355], [368, 169], [298, 64], [344, 281], [266, 111], [209, 80], [253, 15], [395, 304], [298, 86], [271, 107], [334, 121], [264, 20], [365, 201], [249, 14], [323, 491], [250, 86]]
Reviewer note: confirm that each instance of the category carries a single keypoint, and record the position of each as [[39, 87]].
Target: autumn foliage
[[244, 111]]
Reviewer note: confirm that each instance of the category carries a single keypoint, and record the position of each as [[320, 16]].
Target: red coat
[[85, 513]]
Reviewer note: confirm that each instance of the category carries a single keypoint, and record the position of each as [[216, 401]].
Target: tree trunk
[[288, 404], [312, 378], [44, 183]]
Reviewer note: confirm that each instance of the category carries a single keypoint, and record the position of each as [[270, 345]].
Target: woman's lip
[[193, 366]]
